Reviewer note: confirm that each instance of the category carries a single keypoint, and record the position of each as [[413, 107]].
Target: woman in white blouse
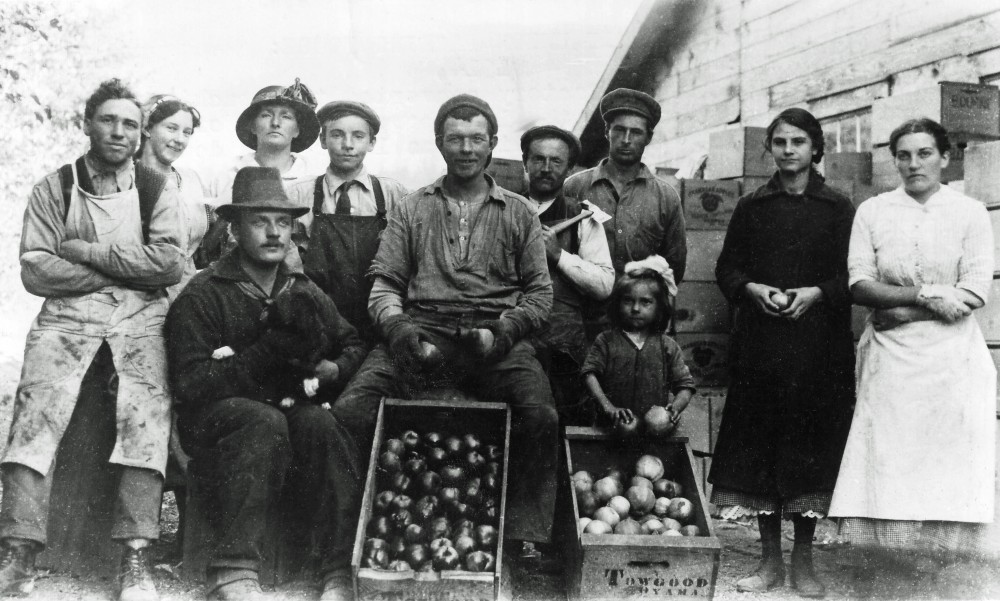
[[918, 470], [168, 124]]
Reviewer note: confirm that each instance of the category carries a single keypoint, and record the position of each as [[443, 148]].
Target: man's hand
[[404, 342], [75, 251], [760, 295], [802, 300], [326, 372], [490, 342], [552, 248]]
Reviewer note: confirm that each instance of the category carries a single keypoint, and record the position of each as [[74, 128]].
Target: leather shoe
[[17, 567], [767, 576], [245, 589], [135, 579], [337, 586], [803, 576]]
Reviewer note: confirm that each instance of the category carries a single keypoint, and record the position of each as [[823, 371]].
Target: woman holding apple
[[918, 471], [783, 268]]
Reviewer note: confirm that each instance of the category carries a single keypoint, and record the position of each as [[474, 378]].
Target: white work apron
[[921, 445], [65, 337]]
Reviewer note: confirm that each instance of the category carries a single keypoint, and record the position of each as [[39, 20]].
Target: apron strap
[[67, 181], [318, 196], [379, 197]]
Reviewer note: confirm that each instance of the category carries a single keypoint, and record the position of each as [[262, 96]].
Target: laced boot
[[135, 579], [17, 567], [770, 573], [803, 576]]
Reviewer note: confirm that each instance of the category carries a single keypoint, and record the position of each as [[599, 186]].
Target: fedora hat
[[299, 98], [259, 189]]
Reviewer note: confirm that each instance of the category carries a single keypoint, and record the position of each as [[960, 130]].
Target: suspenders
[[376, 191]]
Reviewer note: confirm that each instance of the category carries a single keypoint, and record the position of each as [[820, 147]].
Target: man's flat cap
[[625, 100], [551, 131], [339, 108], [464, 100]]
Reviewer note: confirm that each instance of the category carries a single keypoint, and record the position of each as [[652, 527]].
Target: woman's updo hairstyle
[[922, 125]]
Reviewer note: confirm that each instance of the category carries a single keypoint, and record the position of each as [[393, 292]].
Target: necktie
[[343, 200]]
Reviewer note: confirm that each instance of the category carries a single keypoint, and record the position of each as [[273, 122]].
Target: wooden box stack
[[615, 566], [491, 423], [509, 174], [967, 110], [738, 152]]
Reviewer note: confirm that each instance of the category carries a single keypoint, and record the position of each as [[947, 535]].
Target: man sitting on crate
[[461, 283], [101, 244], [579, 264], [233, 335]]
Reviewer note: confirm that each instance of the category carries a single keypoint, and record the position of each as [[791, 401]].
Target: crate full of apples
[[432, 510]]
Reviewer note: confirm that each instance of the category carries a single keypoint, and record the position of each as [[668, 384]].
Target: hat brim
[[609, 115], [230, 211], [304, 115]]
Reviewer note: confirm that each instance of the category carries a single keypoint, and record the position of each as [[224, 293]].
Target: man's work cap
[[299, 98], [467, 100], [259, 189], [339, 108], [624, 100], [551, 131]]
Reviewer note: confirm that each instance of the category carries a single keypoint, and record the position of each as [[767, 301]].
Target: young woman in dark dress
[[783, 269]]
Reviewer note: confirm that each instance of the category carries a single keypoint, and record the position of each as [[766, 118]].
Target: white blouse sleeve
[[975, 268], [861, 263]]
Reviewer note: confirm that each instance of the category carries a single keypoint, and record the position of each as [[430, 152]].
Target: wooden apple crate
[[709, 204], [616, 566], [738, 152], [491, 423], [962, 108]]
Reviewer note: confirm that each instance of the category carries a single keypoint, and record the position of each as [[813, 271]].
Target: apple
[[382, 501], [449, 495], [411, 440], [781, 299], [657, 421], [375, 543], [460, 510], [453, 445], [493, 467], [640, 481], [416, 555], [691, 530], [620, 505], [400, 502], [640, 499], [628, 526], [583, 481], [401, 519], [452, 475], [653, 526], [666, 488], [424, 509], [598, 527], [626, 429], [430, 482], [439, 527], [401, 483], [614, 473], [671, 524], [415, 533], [397, 547], [608, 516], [582, 522], [471, 442], [398, 565], [377, 559], [465, 544], [492, 452], [437, 543], [489, 514], [436, 457], [445, 558], [491, 482], [661, 506], [486, 536], [394, 445], [649, 467], [471, 494], [415, 466], [479, 561], [680, 509], [475, 462], [605, 488], [671, 533], [586, 502], [432, 439], [390, 462], [462, 527], [379, 527], [646, 518]]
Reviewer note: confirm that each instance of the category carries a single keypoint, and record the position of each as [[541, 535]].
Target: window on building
[[848, 132]]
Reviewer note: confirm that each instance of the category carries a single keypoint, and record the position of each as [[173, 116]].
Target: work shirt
[[591, 270], [505, 272], [109, 182], [647, 216], [213, 311], [361, 194]]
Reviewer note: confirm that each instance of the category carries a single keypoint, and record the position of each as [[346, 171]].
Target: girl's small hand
[[802, 300], [760, 294]]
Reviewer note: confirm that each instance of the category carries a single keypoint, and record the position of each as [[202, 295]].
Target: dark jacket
[[214, 311], [792, 382]]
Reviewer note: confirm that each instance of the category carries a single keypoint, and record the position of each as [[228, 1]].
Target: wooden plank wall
[[747, 60]]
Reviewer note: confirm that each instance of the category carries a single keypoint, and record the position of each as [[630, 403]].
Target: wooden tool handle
[[562, 225]]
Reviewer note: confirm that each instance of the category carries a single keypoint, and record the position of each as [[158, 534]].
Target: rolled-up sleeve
[[597, 356], [861, 264], [591, 271], [534, 305], [43, 271], [975, 268], [158, 263]]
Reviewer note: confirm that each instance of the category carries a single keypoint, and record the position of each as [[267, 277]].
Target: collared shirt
[[419, 260], [44, 273], [361, 194], [591, 270], [110, 182], [647, 216], [221, 187]]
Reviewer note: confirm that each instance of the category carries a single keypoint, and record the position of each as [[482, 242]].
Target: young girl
[[634, 365]]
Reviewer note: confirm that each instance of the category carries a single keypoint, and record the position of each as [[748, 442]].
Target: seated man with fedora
[[233, 336]]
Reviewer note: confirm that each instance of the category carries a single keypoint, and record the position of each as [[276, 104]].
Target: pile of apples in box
[[646, 503]]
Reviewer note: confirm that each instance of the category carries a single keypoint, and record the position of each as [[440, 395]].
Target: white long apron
[[921, 445], [64, 339]]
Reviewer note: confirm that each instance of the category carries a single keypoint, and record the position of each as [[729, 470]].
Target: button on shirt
[[647, 215]]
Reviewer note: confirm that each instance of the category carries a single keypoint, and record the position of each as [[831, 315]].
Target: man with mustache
[[646, 212], [349, 208], [101, 244], [579, 264]]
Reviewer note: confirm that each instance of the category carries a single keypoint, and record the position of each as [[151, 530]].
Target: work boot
[[770, 572], [17, 567], [803, 577], [135, 579], [245, 589], [337, 586]]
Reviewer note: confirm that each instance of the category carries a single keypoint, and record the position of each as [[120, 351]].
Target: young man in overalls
[[349, 208], [101, 244]]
